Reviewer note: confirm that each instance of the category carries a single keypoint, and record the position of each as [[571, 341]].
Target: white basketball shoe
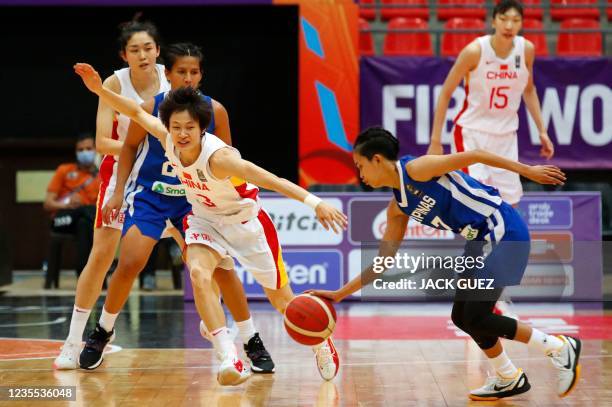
[[327, 360], [566, 360], [232, 370], [68, 358]]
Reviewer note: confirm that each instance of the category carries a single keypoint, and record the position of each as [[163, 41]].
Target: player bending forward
[[433, 191], [227, 219]]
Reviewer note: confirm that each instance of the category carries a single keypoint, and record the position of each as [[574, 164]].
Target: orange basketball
[[310, 320]]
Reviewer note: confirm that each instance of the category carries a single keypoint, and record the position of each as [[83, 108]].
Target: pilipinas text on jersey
[[453, 201]]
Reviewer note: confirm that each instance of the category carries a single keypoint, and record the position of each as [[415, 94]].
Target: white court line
[[202, 367]]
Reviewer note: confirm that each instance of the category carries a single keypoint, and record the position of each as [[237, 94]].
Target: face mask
[[86, 157]]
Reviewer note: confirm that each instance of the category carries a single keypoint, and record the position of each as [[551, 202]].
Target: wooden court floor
[[436, 369]]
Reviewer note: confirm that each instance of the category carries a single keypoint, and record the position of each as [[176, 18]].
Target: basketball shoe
[[232, 370], [327, 359], [261, 361], [92, 354], [566, 360], [68, 358], [497, 387]]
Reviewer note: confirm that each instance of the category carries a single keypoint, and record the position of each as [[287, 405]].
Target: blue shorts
[[149, 210], [506, 246]]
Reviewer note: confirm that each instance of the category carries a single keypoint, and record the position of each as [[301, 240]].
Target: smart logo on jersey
[[168, 189], [306, 269]]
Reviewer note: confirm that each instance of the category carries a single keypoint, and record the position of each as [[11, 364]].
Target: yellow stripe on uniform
[[236, 181], [282, 272]]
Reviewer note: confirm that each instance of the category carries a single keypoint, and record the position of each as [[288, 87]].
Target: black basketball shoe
[[92, 354], [261, 361]]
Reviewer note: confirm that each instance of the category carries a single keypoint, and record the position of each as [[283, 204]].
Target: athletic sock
[[107, 320], [543, 342], [246, 330], [77, 324], [222, 341], [503, 366]]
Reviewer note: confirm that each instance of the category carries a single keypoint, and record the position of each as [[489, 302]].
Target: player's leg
[[135, 251], [202, 261], [89, 286]]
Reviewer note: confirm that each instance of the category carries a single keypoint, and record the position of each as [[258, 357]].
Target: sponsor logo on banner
[[168, 189], [546, 213], [306, 269], [414, 231], [297, 223]]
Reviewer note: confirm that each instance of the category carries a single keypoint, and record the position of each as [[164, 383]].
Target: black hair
[[189, 99], [505, 5], [129, 28], [84, 136], [178, 50], [376, 140]]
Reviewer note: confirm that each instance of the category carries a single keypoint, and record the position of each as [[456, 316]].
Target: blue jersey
[[454, 201], [152, 170]]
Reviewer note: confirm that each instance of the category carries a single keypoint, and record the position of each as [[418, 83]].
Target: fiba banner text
[[400, 93]]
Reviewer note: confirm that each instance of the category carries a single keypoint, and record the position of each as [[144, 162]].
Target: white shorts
[[253, 243], [108, 177], [508, 183]]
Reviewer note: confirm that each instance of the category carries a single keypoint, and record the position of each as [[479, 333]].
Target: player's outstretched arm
[[427, 167], [397, 221], [128, 107], [226, 163]]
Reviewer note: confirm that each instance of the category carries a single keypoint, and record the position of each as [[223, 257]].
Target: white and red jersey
[[493, 90], [226, 201]]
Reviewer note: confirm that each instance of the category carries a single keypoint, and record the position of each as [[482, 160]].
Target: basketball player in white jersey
[[228, 221], [497, 70], [141, 80]]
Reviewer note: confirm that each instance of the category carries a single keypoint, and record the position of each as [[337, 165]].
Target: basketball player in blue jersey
[[154, 196], [433, 191]]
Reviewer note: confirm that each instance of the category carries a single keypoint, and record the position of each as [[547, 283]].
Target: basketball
[[310, 320]]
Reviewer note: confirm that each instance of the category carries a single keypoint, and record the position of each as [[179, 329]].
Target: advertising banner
[[565, 261], [400, 93]]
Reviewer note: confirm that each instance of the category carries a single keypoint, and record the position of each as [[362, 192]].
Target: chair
[[454, 42], [366, 43], [476, 9], [579, 44], [393, 12], [538, 39], [368, 13], [562, 9], [536, 12], [418, 43]]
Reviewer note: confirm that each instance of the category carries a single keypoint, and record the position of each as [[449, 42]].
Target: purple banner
[[131, 2], [400, 94], [565, 261]]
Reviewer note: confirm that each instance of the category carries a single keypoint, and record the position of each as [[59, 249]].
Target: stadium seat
[[533, 9], [366, 43], [476, 10], [392, 12], [369, 13], [407, 43], [454, 42], [562, 9], [538, 39], [579, 44]]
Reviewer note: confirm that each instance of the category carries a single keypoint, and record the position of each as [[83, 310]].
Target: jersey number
[[498, 95], [437, 222], [204, 200]]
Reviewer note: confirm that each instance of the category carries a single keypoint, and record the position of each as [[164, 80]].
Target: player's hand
[[548, 149], [545, 174], [91, 78], [75, 201], [435, 148], [331, 217], [330, 295], [112, 208]]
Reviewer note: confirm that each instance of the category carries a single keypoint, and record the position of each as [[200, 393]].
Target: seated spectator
[[71, 198]]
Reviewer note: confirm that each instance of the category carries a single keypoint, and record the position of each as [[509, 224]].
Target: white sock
[[503, 366], [77, 324], [246, 330], [315, 348], [543, 342], [107, 320], [222, 341]]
